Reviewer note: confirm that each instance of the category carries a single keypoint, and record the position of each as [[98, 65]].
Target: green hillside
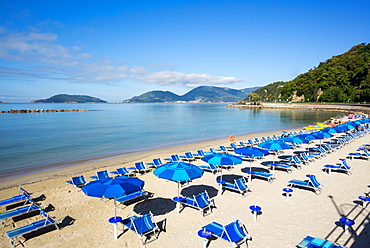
[[64, 98], [343, 78]]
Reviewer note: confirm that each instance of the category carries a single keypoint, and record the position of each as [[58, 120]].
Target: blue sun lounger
[[15, 233], [18, 212], [101, 175], [22, 195], [201, 202], [139, 167], [78, 181], [156, 162], [142, 226], [234, 233], [188, 156], [210, 167], [286, 167], [121, 172], [136, 195], [311, 183], [270, 177], [343, 167], [239, 185], [311, 242]]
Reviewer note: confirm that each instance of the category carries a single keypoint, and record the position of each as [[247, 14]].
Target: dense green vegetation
[[343, 78], [199, 94], [63, 98]]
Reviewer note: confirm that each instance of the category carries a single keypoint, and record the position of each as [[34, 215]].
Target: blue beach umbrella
[[275, 145], [222, 159], [178, 172], [252, 151], [322, 135], [295, 140], [113, 187], [331, 130]]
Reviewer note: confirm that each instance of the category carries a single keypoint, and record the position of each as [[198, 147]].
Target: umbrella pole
[[115, 224], [178, 194]]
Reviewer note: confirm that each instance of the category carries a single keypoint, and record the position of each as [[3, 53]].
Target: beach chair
[[210, 167], [311, 242], [328, 148], [173, 158], [234, 233], [15, 233], [305, 158], [188, 156], [22, 195], [78, 181], [156, 162], [260, 174], [19, 211], [286, 167], [130, 197], [224, 149], [201, 201], [139, 167], [214, 150], [239, 185], [342, 167], [101, 175], [122, 172], [199, 154], [143, 226], [295, 161], [311, 183], [364, 154]]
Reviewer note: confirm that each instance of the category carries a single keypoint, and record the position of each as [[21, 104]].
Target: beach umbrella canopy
[[321, 135], [252, 151], [307, 136], [222, 159], [295, 140], [275, 145], [331, 130], [113, 187], [178, 172]]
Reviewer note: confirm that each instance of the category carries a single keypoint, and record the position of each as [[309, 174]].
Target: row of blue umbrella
[[183, 172]]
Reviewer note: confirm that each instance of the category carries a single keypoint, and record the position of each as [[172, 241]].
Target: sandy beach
[[281, 223]]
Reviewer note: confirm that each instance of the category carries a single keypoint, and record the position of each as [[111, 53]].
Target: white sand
[[281, 224]]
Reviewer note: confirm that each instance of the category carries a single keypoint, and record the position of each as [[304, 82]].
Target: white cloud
[[187, 80], [42, 56]]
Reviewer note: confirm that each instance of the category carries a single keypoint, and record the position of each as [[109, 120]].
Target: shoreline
[[122, 160], [307, 106]]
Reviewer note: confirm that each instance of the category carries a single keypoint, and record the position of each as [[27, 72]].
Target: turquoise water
[[46, 141]]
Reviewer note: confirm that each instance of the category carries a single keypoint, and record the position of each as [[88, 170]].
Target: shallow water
[[32, 140]]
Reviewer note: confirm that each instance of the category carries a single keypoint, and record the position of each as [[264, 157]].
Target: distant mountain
[[199, 94], [156, 96], [64, 98]]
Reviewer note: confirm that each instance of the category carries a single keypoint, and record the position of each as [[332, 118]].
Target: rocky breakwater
[[307, 106], [40, 110]]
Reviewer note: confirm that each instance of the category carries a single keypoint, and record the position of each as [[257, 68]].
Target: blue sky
[[115, 50]]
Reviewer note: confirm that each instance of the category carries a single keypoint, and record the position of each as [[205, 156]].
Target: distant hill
[[199, 94], [342, 78], [64, 98]]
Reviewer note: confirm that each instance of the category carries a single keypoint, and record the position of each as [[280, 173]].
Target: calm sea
[[45, 141]]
